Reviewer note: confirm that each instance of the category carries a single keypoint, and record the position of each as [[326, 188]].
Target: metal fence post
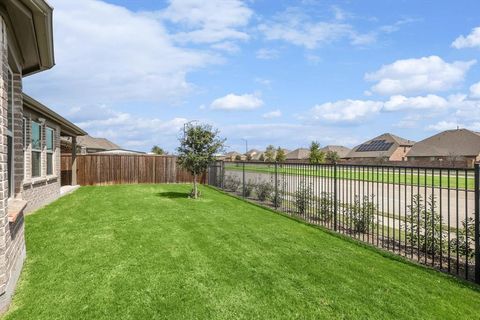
[[477, 223], [276, 186], [243, 179], [222, 174], [335, 196]]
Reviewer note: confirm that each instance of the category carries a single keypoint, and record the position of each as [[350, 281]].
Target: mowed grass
[[149, 252], [461, 179]]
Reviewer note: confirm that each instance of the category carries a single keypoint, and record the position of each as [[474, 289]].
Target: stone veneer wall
[[12, 242]]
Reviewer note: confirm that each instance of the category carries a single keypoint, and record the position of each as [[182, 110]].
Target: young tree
[[332, 157], [197, 150], [262, 158], [270, 154], [281, 157], [157, 150], [249, 157], [316, 155], [238, 157]]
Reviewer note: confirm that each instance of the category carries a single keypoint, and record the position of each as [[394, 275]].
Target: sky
[[269, 71]]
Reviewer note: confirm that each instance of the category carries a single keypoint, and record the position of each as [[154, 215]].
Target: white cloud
[[445, 125], [126, 129], [266, 54], [475, 90], [297, 28], [237, 102], [227, 46], [346, 110], [263, 81], [427, 74], [208, 21], [105, 54], [431, 101], [470, 41], [272, 114]]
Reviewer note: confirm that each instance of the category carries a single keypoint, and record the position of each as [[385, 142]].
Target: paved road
[[394, 199]]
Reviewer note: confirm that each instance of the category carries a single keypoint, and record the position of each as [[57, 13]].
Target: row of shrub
[[424, 227]]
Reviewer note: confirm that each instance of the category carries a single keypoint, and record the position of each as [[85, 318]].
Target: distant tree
[[332, 157], [157, 150], [249, 157], [281, 157], [238, 157], [197, 150], [316, 155], [261, 158], [270, 154]]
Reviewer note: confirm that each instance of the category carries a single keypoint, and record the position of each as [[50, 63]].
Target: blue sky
[[274, 72]]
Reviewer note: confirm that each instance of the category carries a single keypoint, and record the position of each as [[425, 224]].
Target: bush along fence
[[429, 215]]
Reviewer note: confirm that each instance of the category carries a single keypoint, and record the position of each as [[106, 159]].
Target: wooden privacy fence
[[124, 169]]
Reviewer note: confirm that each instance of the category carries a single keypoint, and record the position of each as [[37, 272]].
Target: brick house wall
[[12, 241]]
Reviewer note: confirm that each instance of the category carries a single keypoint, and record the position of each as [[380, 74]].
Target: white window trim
[[9, 133], [52, 152], [35, 150]]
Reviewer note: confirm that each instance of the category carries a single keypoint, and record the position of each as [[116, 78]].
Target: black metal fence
[[429, 215]]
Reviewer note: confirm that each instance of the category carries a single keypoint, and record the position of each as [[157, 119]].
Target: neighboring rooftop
[[382, 146], [340, 150], [90, 142], [299, 154], [450, 143]]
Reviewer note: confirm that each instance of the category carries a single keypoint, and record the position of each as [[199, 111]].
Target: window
[[36, 149], [10, 158], [50, 134]]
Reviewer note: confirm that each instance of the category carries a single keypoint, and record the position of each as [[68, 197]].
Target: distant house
[[384, 148], [253, 154], [340, 150], [298, 154], [88, 144], [451, 148], [233, 155]]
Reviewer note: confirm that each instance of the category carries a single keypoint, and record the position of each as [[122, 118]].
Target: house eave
[[31, 26]]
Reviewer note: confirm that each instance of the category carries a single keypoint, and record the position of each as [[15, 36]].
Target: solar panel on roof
[[375, 145]]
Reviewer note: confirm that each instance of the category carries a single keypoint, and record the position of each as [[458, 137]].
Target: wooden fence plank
[[124, 169]]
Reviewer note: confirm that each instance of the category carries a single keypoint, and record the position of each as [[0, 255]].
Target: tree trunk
[[195, 192]]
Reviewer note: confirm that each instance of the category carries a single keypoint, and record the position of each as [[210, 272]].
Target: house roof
[[232, 154], [300, 153], [31, 23], [340, 150], [67, 128], [96, 143], [382, 146], [120, 152], [450, 143], [252, 152]]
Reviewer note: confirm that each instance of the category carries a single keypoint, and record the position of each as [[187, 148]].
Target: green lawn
[[148, 252], [464, 180]]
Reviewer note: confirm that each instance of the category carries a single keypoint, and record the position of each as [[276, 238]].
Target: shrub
[[466, 239], [231, 183], [425, 225], [249, 188], [264, 191], [361, 214], [324, 206], [303, 198]]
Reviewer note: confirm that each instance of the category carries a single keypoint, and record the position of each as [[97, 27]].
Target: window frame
[[10, 132], [34, 150], [51, 151]]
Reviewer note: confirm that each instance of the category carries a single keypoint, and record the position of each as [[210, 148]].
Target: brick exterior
[[36, 191], [12, 241]]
